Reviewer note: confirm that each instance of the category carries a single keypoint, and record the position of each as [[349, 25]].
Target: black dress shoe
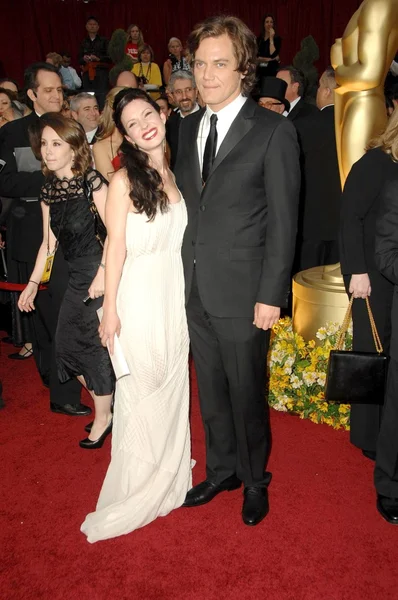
[[88, 427], [255, 505], [388, 508], [94, 444], [370, 454], [206, 491], [73, 410]]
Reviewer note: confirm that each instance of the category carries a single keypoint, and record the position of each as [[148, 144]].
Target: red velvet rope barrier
[[16, 287]]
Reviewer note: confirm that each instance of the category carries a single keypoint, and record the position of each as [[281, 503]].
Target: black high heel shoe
[[88, 427], [94, 444]]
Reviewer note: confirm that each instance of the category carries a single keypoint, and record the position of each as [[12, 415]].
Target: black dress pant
[[366, 418], [230, 362], [386, 469]]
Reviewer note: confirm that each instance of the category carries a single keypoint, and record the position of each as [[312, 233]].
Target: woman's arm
[[167, 67], [25, 302], [97, 286], [103, 159], [117, 208]]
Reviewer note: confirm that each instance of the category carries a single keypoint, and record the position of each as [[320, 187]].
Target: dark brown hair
[[146, 185], [70, 132], [243, 40]]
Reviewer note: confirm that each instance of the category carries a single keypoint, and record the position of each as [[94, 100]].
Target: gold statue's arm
[[361, 44]]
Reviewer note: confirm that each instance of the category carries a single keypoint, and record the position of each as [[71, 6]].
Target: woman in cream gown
[[150, 471]]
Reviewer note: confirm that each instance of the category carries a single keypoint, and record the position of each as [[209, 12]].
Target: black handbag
[[356, 377]]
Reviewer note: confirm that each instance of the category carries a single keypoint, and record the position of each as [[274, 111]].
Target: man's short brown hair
[[243, 40]]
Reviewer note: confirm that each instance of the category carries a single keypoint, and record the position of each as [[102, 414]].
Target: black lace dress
[[78, 347]]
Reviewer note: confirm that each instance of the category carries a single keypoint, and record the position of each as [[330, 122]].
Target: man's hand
[[266, 316]]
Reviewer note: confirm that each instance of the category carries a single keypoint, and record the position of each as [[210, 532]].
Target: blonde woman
[[135, 42], [106, 149], [361, 202]]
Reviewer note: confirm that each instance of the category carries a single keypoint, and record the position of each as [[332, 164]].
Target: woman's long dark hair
[[262, 34], [147, 194]]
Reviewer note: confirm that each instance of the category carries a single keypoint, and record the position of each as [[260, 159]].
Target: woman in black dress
[[269, 47], [359, 209], [71, 185]]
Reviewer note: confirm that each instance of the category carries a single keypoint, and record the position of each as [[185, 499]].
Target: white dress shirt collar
[[327, 106], [90, 135], [292, 105], [225, 118], [194, 110]]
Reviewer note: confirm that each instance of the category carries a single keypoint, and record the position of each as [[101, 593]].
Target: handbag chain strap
[[346, 323]]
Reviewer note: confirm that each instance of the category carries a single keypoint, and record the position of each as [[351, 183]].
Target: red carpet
[[323, 538]]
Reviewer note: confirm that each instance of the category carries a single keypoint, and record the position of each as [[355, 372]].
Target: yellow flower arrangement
[[297, 374]]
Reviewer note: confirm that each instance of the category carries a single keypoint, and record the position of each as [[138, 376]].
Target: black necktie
[[210, 148]]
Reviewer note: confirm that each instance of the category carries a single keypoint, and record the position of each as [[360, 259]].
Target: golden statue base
[[319, 296]]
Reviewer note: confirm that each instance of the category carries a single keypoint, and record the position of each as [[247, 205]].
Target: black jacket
[[321, 203], [242, 224], [27, 228], [360, 205]]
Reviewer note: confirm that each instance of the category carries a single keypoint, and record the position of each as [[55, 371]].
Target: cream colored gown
[[150, 471]]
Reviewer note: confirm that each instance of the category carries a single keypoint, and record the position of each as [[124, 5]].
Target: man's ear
[[32, 95], [74, 114]]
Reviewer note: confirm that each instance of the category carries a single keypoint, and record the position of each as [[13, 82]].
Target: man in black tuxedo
[[85, 110], [386, 258], [238, 170], [300, 110], [183, 90], [94, 60], [21, 178], [319, 215]]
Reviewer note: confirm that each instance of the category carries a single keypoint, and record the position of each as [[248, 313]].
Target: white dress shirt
[[90, 135], [292, 105], [225, 118]]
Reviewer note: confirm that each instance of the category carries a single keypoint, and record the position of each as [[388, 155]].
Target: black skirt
[[78, 346]]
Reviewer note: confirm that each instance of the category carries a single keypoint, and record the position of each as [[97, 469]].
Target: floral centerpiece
[[297, 374]]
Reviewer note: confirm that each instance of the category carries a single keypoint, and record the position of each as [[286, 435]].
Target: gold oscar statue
[[361, 59]]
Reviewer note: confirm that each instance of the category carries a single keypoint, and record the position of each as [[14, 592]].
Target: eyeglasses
[[269, 104], [187, 90]]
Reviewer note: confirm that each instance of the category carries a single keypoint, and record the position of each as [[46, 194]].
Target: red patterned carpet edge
[[322, 538]]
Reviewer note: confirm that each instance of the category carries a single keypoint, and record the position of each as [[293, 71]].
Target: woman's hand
[[2, 242], [272, 33], [25, 302], [97, 287], [110, 324], [360, 285]]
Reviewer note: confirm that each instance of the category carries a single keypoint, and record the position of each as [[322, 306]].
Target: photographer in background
[[176, 61]]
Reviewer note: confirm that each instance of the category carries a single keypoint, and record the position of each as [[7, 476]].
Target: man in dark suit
[[94, 60], [21, 178], [182, 89], [319, 215], [300, 110], [386, 258], [84, 109], [238, 170]]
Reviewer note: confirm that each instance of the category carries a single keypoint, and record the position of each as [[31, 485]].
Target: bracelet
[[102, 265], [31, 281]]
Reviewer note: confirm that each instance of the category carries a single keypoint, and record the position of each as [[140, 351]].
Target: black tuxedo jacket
[[242, 224], [27, 228], [302, 110], [321, 210], [386, 249], [172, 134]]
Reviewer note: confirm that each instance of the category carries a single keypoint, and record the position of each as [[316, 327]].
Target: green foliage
[[304, 62], [116, 51]]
